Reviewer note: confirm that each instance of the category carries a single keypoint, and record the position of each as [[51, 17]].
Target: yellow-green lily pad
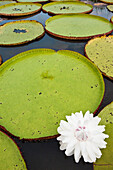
[[67, 7], [39, 87], [20, 32], [32, 0], [100, 51], [106, 160], [6, 2], [10, 156], [77, 26], [107, 1], [110, 8], [20, 9]]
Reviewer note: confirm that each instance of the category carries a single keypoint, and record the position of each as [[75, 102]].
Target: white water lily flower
[[82, 136]]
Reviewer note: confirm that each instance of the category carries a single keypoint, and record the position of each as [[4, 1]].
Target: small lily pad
[[6, 2], [39, 87], [110, 8], [10, 157], [67, 7], [100, 51], [19, 9], [77, 26], [106, 160], [107, 1], [20, 32]]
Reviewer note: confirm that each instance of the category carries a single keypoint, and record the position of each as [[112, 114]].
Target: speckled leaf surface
[[40, 87], [19, 9], [67, 7], [10, 157], [20, 32], [32, 0], [110, 8], [106, 161], [100, 51], [77, 26]]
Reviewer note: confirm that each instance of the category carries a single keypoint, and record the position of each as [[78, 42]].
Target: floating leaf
[[39, 87], [19, 9], [10, 157], [108, 1], [6, 2], [20, 32], [100, 51], [77, 26], [67, 7], [110, 8], [106, 161], [32, 0]]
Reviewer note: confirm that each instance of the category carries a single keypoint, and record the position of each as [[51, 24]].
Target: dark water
[[45, 155]]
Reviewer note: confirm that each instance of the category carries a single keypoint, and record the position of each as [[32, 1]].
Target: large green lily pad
[[10, 157], [19, 9], [38, 88], [20, 32], [110, 8], [32, 0], [106, 161], [108, 1], [100, 51], [67, 7], [77, 26]]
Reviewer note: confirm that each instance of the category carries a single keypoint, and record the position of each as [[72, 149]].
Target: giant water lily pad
[[106, 161], [110, 8], [10, 157], [19, 9], [39, 87], [32, 0], [77, 26], [20, 32], [108, 1], [67, 7], [100, 51]]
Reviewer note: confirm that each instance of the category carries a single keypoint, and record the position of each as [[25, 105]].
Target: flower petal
[[77, 153], [91, 154]]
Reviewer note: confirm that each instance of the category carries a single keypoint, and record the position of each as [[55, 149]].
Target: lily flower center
[[81, 133]]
